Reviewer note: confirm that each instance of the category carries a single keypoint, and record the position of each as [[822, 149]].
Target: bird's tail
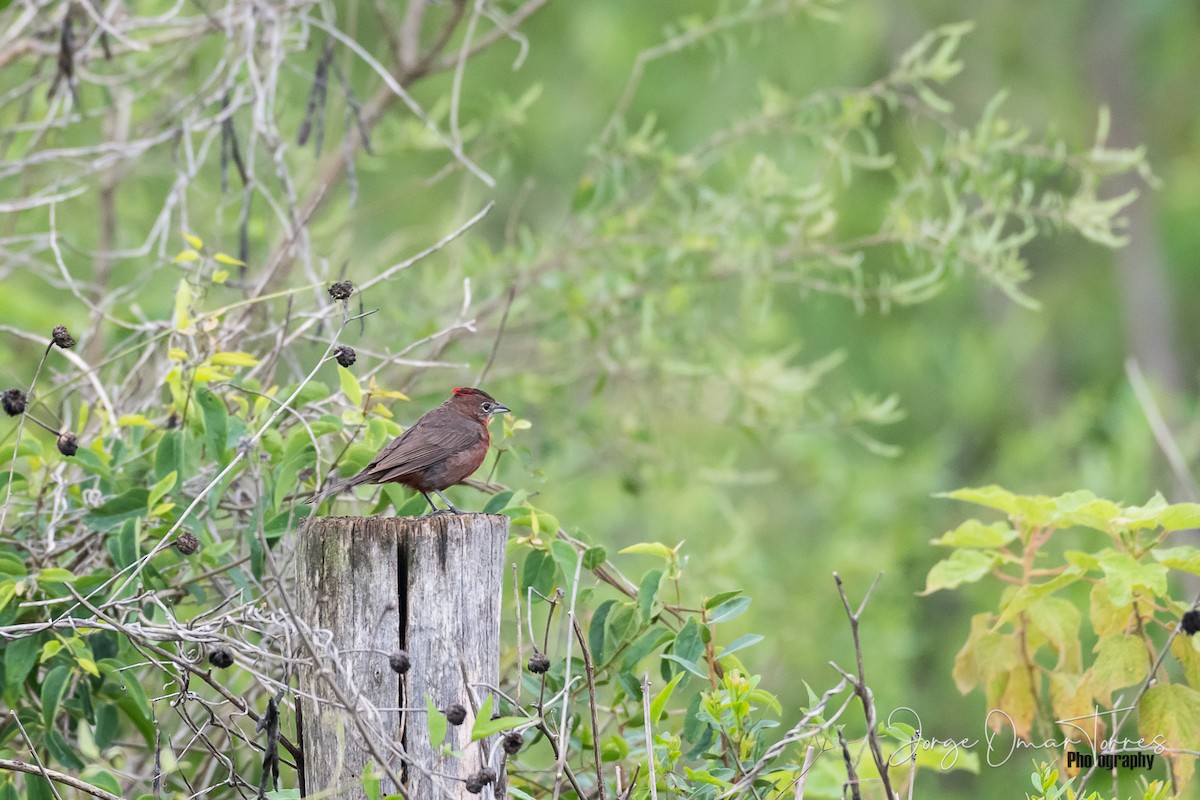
[[330, 489]]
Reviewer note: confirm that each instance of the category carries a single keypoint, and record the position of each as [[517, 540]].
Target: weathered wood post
[[367, 588]]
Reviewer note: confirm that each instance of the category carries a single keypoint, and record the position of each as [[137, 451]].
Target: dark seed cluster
[[220, 657], [187, 543], [345, 355], [456, 714], [62, 337], [14, 402], [513, 741], [400, 662], [477, 780], [1190, 622], [68, 443], [341, 290], [539, 663]]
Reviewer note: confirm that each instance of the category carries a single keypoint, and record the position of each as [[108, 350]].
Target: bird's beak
[[500, 408]]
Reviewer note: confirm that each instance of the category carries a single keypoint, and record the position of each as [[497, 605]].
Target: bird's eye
[[485, 407]]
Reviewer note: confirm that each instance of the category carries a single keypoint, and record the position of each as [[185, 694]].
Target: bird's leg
[[433, 509], [453, 508]]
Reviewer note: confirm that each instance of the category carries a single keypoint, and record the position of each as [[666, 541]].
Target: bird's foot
[[435, 512]]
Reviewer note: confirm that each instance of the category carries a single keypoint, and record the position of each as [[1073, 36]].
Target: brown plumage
[[443, 447]]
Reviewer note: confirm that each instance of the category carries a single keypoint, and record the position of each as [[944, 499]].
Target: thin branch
[[58, 777], [649, 734]]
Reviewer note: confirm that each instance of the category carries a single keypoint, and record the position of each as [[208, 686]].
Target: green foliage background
[[778, 429]]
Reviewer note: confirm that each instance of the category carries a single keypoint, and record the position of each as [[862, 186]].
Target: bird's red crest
[[467, 390]]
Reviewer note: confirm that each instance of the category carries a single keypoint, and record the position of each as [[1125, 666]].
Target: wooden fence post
[[368, 587]]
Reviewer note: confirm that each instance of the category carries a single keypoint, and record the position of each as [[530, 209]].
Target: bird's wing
[[430, 440]]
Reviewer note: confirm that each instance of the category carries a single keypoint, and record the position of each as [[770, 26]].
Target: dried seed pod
[[341, 290], [220, 656], [513, 740], [456, 714], [400, 662], [187, 543], [62, 337], [539, 664], [68, 443], [1190, 622], [14, 402], [345, 355]]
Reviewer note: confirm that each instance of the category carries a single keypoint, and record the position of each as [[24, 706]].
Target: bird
[[443, 447]]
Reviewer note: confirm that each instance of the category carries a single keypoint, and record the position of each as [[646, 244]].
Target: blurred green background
[[633, 438]]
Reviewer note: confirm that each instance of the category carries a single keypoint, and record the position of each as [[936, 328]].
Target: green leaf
[[719, 598], [350, 387], [19, 657], [690, 666], [1084, 509], [651, 549], [222, 258], [37, 788], [974, 533], [436, 721], [1180, 516], [644, 645], [54, 686], [107, 725], [216, 421], [497, 503], [11, 565], [963, 566], [183, 302], [234, 358], [663, 697], [159, 490], [1171, 712], [117, 510], [486, 726], [647, 591], [540, 571], [621, 625], [1182, 558], [594, 557], [55, 575], [689, 642], [167, 456], [1120, 661], [731, 608], [1125, 574], [370, 781], [1031, 593], [741, 643], [566, 556], [1032, 511], [596, 640]]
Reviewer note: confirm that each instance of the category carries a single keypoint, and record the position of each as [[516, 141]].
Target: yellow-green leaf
[[177, 354], [55, 575], [650, 549], [224, 258], [183, 302], [350, 386], [233, 359], [219, 276], [194, 241], [186, 255]]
